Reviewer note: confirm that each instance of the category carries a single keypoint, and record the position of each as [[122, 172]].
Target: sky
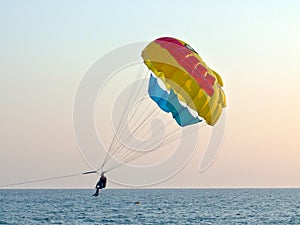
[[47, 48]]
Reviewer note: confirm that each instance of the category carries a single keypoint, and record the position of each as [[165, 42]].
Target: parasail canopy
[[190, 85]]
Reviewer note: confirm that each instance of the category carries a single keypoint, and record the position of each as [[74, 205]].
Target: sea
[[150, 206]]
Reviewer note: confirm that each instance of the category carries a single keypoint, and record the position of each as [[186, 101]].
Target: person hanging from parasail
[[100, 184]]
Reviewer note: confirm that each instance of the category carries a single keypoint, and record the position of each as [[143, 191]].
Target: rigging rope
[[46, 179], [110, 152]]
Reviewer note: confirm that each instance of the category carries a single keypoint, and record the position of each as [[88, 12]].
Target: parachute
[[190, 84], [159, 111]]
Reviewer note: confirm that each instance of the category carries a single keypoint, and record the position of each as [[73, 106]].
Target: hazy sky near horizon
[[47, 47]]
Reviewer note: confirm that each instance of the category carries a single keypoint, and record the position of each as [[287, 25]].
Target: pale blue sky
[[47, 46]]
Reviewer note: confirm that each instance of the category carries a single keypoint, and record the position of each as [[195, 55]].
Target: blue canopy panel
[[169, 102], [180, 113], [158, 95]]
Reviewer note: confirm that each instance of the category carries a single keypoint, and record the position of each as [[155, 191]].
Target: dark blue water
[[157, 206]]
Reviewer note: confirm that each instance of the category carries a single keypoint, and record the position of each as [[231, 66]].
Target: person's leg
[[97, 192]]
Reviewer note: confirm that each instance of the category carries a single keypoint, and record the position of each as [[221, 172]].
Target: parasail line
[[122, 130], [128, 158], [90, 172], [127, 155], [171, 137], [45, 179], [126, 139], [123, 144], [112, 144], [134, 131]]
